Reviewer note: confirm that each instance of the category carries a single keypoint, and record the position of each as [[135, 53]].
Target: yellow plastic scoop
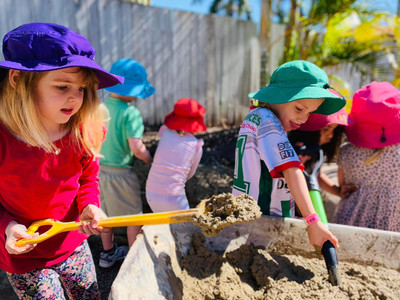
[[211, 215], [128, 220]]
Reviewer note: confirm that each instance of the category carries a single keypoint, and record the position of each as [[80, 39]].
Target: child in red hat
[[371, 159], [177, 156]]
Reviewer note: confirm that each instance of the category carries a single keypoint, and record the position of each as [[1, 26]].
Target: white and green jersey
[[263, 151]]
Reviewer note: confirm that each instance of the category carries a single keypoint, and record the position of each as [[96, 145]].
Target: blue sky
[[203, 7]]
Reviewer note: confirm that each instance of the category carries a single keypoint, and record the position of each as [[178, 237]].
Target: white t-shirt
[[263, 151], [175, 162]]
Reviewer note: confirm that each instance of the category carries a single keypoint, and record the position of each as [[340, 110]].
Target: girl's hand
[[346, 190], [304, 158], [15, 232], [94, 214], [318, 234]]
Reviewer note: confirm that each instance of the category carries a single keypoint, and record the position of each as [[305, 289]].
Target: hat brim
[[316, 122], [105, 78], [192, 125], [369, 135], [278, 95], [132, 89]]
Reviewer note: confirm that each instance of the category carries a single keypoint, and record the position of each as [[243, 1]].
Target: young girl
[[48, 165], [263, 152], [325, 132], [177, 157], [371, 160]]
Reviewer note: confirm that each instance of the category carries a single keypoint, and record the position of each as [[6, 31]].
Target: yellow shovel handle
[[57, 227]]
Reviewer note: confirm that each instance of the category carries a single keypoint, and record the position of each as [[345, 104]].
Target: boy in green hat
[[263, 151]]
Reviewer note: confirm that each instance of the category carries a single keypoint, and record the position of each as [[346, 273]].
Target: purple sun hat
[[40, 47]]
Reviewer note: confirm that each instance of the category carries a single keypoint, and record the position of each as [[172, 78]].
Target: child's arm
[[317, 232], [197, 158], [345, 189], [139, 150], [327, 184]]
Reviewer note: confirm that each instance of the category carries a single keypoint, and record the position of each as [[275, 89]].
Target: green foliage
[[339, 32], [231, 8]]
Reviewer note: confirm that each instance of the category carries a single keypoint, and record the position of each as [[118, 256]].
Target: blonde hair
[[98, 124], [374, 157], [262, 104], [20, 114]]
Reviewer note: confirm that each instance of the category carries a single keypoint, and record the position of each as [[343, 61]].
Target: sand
[[251, 272], [224, 210]]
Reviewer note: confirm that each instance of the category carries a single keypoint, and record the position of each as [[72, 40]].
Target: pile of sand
[[254, 273], [224, 210]]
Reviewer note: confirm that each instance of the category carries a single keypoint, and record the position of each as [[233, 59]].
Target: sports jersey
[[262, 152]]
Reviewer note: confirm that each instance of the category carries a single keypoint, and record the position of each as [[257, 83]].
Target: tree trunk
[[265, 39]]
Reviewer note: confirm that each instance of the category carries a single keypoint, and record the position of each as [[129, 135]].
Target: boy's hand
[[94, 214], [147, 157], [318, 234], [14, 232]]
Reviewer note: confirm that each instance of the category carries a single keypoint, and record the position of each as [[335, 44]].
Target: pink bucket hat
[[186, 116], [316, 121], [374, 119]]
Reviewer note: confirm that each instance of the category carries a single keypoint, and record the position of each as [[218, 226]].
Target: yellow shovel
[[57, 227], [211, 215]]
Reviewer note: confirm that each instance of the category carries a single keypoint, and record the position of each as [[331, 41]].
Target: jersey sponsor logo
[[282, 185], [286, 150], [253, 118], [249, 126]]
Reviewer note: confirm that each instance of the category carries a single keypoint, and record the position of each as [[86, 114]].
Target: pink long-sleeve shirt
[[36, 185], [175, 162]]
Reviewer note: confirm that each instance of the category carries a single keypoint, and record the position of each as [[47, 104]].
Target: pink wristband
[[311, 219]]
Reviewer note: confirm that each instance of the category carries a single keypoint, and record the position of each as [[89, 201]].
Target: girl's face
[[326, 134], [59, 96], [295, 113]]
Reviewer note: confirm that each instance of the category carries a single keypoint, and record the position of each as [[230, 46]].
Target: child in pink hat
[[371, 160], [321, 132], [177, 156]]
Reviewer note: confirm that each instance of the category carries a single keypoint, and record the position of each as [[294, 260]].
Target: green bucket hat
[[297, 80]]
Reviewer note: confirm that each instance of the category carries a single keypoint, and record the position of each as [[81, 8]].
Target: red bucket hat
[[186, 116], [374, 119], [316, 121]]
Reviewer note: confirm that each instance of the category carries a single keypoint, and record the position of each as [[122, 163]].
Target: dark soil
[[213, 176]]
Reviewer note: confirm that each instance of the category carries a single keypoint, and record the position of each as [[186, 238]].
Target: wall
[[212, 59]]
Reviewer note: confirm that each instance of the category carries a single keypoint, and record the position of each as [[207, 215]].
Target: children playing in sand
[[296, 90]]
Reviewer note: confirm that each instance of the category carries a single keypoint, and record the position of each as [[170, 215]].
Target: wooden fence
[[212, 59]]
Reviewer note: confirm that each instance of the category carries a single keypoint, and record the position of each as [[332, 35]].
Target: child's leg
[[107, 239], [132, 232], [78, 274], [38, 284]]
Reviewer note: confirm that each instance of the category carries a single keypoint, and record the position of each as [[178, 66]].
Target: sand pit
[[254, 273], [269, 258], [224, 210]]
